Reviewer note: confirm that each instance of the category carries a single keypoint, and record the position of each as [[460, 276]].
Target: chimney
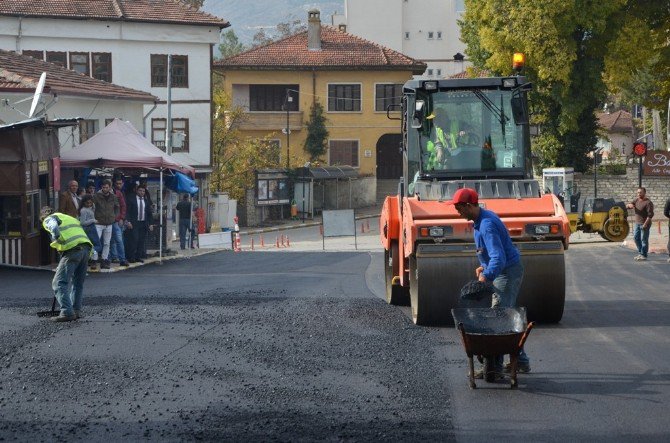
[[314, 30], [342, 27]]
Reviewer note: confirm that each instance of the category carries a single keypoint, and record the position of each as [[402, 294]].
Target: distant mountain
[[246, 17]]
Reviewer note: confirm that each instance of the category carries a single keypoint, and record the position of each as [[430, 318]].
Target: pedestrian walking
[[184, 210], [106, 210], [666, 212], [70, 240], [500, 261], [644, 212]]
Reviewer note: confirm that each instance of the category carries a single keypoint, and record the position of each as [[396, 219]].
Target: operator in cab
[[446, 134], [500, 261]]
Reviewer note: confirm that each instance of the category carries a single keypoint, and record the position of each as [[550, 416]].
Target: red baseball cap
[[464, 195]]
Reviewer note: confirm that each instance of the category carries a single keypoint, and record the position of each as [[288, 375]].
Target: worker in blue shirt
[[500, 261]]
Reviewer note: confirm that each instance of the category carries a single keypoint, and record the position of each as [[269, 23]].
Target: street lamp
[[289, 99]]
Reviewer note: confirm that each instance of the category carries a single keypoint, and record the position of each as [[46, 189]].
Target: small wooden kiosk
[[29, 173]]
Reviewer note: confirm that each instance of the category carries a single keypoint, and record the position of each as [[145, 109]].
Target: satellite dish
[[38, 94]]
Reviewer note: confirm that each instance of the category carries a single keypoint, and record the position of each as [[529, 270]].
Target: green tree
[[230, 44], [566, 44], [282, 30], [235, 157], [317, 134]]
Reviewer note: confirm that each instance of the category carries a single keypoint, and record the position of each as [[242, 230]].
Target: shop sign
[[657, 163]]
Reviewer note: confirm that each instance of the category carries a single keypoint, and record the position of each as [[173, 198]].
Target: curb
[[296, 226]]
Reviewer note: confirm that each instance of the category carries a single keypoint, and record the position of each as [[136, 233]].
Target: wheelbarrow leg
[[471, 373], [513, 362]]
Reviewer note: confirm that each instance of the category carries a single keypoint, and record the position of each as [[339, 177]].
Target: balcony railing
[[271, 121], [183, 148]]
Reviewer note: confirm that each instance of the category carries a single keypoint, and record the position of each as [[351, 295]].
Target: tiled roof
[[20, 73], [619, 121], [339, 50], [155, 11]]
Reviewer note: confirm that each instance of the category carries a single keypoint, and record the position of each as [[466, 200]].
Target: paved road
[[294, 344]]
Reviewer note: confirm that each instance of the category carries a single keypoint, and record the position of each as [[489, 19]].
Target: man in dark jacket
[[644, 212], [106, 209], [138, 221]]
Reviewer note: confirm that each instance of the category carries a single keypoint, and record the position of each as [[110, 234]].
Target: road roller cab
[[468, 133]]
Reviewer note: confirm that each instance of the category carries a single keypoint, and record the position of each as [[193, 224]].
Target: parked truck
[[468, 133]]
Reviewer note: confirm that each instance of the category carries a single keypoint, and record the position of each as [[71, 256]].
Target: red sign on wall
[[657, 163]]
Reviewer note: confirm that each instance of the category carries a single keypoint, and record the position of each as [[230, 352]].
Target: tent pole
[[160, 229]]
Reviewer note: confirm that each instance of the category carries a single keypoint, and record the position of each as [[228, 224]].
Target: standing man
[[666, 212], [184, 209], [500, 261], [106, 210], [644, 211], [138, 222], [70, 240], [69, 201], [117, 251]]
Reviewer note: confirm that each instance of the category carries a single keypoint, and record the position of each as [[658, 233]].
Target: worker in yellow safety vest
[[74, 246], [441, 142]]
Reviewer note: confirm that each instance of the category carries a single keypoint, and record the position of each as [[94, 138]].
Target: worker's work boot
[[63, 318], [522, 368]]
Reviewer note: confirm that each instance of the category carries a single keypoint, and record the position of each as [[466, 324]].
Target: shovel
[[53, 313]]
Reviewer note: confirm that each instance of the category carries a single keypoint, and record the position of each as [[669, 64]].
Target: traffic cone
[[288, 242], [362, 228], [277, 241], [282, 240], [321, 230], [238, 242], [252, 243], [367, 225], [262, 241]]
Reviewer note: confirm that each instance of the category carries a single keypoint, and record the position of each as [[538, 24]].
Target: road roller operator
[[500, 261]]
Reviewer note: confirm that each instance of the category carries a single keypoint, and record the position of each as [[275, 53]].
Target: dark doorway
[[389, 159]]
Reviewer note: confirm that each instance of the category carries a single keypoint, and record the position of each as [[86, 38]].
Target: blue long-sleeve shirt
[[495, 249]]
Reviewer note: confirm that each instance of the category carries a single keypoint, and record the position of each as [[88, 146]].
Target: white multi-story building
[[127, 42], [425, 30]]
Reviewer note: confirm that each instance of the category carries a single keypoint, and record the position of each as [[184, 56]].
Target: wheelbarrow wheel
[[489, 369]]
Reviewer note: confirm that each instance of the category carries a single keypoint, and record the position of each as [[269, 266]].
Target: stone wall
[[623, 187]]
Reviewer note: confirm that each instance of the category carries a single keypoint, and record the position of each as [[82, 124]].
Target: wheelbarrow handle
[[525, 334]]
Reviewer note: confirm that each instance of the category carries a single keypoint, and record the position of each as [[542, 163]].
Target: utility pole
[[289, 99], [168, 125]]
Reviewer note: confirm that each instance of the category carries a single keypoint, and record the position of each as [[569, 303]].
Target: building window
[[429, 72], [39, 55], [33, 212], [439, 35], [344, 97], [159, 70], [438, 72], [102, 66], [344, 153], [180, 134], [10, 215], [57, 58], [87, 129], [430, 35], [406, 35], [158, 132], [386, 95], [273, 97], [79, 62]]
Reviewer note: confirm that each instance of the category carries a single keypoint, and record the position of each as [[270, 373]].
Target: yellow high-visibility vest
[[71, 233]]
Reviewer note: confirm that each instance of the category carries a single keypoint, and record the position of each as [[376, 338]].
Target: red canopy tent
[[120, 145]]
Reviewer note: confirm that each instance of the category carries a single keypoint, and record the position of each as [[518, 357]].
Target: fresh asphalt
[[292, 343]]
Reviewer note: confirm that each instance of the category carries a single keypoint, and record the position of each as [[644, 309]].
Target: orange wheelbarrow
[[489, 332]]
